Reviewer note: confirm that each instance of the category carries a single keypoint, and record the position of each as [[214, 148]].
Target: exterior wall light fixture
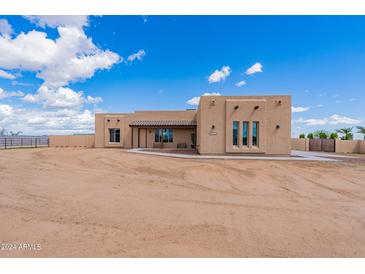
[[277, 126], [256, 107], [236, 107], [108, 120]]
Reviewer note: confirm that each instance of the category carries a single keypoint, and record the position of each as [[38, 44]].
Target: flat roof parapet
[[163, 123]]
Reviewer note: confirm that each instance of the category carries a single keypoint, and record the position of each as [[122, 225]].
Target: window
[[255, 133], [158, 135], [165, 135], [171, 135], [245, 133], [235, 133], [114, 135]]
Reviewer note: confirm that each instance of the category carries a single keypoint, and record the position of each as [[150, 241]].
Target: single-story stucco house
[[220, 125]]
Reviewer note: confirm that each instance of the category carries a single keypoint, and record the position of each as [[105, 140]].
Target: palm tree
[[361, 130], [346, 132], [15, 133]]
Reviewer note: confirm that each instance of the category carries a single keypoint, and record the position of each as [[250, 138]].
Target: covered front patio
[[163, 134]]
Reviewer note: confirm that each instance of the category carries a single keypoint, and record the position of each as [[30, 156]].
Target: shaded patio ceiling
[[163, 123]]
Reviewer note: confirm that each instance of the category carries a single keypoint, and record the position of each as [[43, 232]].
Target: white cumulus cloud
[[195, 100], [56, 98], [254, 69], [136, 56], [219, 75], [5, 94], [6, 75], [240, 84], [44, 121], [334, 119], [312, 121], [299, 109], [61, 97], [5, 111], [70, 57], [5, 27], [93, 100], [32, 51], [54, 21], [77, 68], [338, 119]]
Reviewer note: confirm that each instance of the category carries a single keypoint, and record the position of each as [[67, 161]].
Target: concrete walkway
[[295, 156], [320, 154]]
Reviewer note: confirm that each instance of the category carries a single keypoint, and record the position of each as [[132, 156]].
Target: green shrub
[[321, 134]]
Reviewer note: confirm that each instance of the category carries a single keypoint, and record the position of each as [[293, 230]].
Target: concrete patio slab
[[320, 154], [295, 156]]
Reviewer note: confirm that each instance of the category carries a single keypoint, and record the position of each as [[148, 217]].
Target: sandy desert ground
[[110, 203]]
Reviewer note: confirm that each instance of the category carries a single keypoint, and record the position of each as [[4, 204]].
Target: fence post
[[5, 142], [35, 142], [334, 145]]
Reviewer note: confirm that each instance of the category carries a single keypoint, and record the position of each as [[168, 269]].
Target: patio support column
[[132, 137], [146, 137], [195, 138], [138, 137]]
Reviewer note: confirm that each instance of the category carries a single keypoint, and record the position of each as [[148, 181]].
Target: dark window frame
[[255, 133], [245, 135], [114, 135], [235, 129]]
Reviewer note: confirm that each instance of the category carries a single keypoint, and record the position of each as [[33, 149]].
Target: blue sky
[[75, 66]]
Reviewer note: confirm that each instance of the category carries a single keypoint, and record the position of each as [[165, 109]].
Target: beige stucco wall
[[361, 146], [300, 144], [220, 112], [180, 135], [347, 146], [72, 140], [99, 130], [247, 113], [104, 121], [272, 111], [198, 126], [341, 146]]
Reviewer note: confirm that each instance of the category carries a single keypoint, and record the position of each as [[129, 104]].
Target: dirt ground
[[110, 203]]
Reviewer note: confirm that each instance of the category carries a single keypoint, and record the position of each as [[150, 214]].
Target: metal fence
[[23, 141]]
